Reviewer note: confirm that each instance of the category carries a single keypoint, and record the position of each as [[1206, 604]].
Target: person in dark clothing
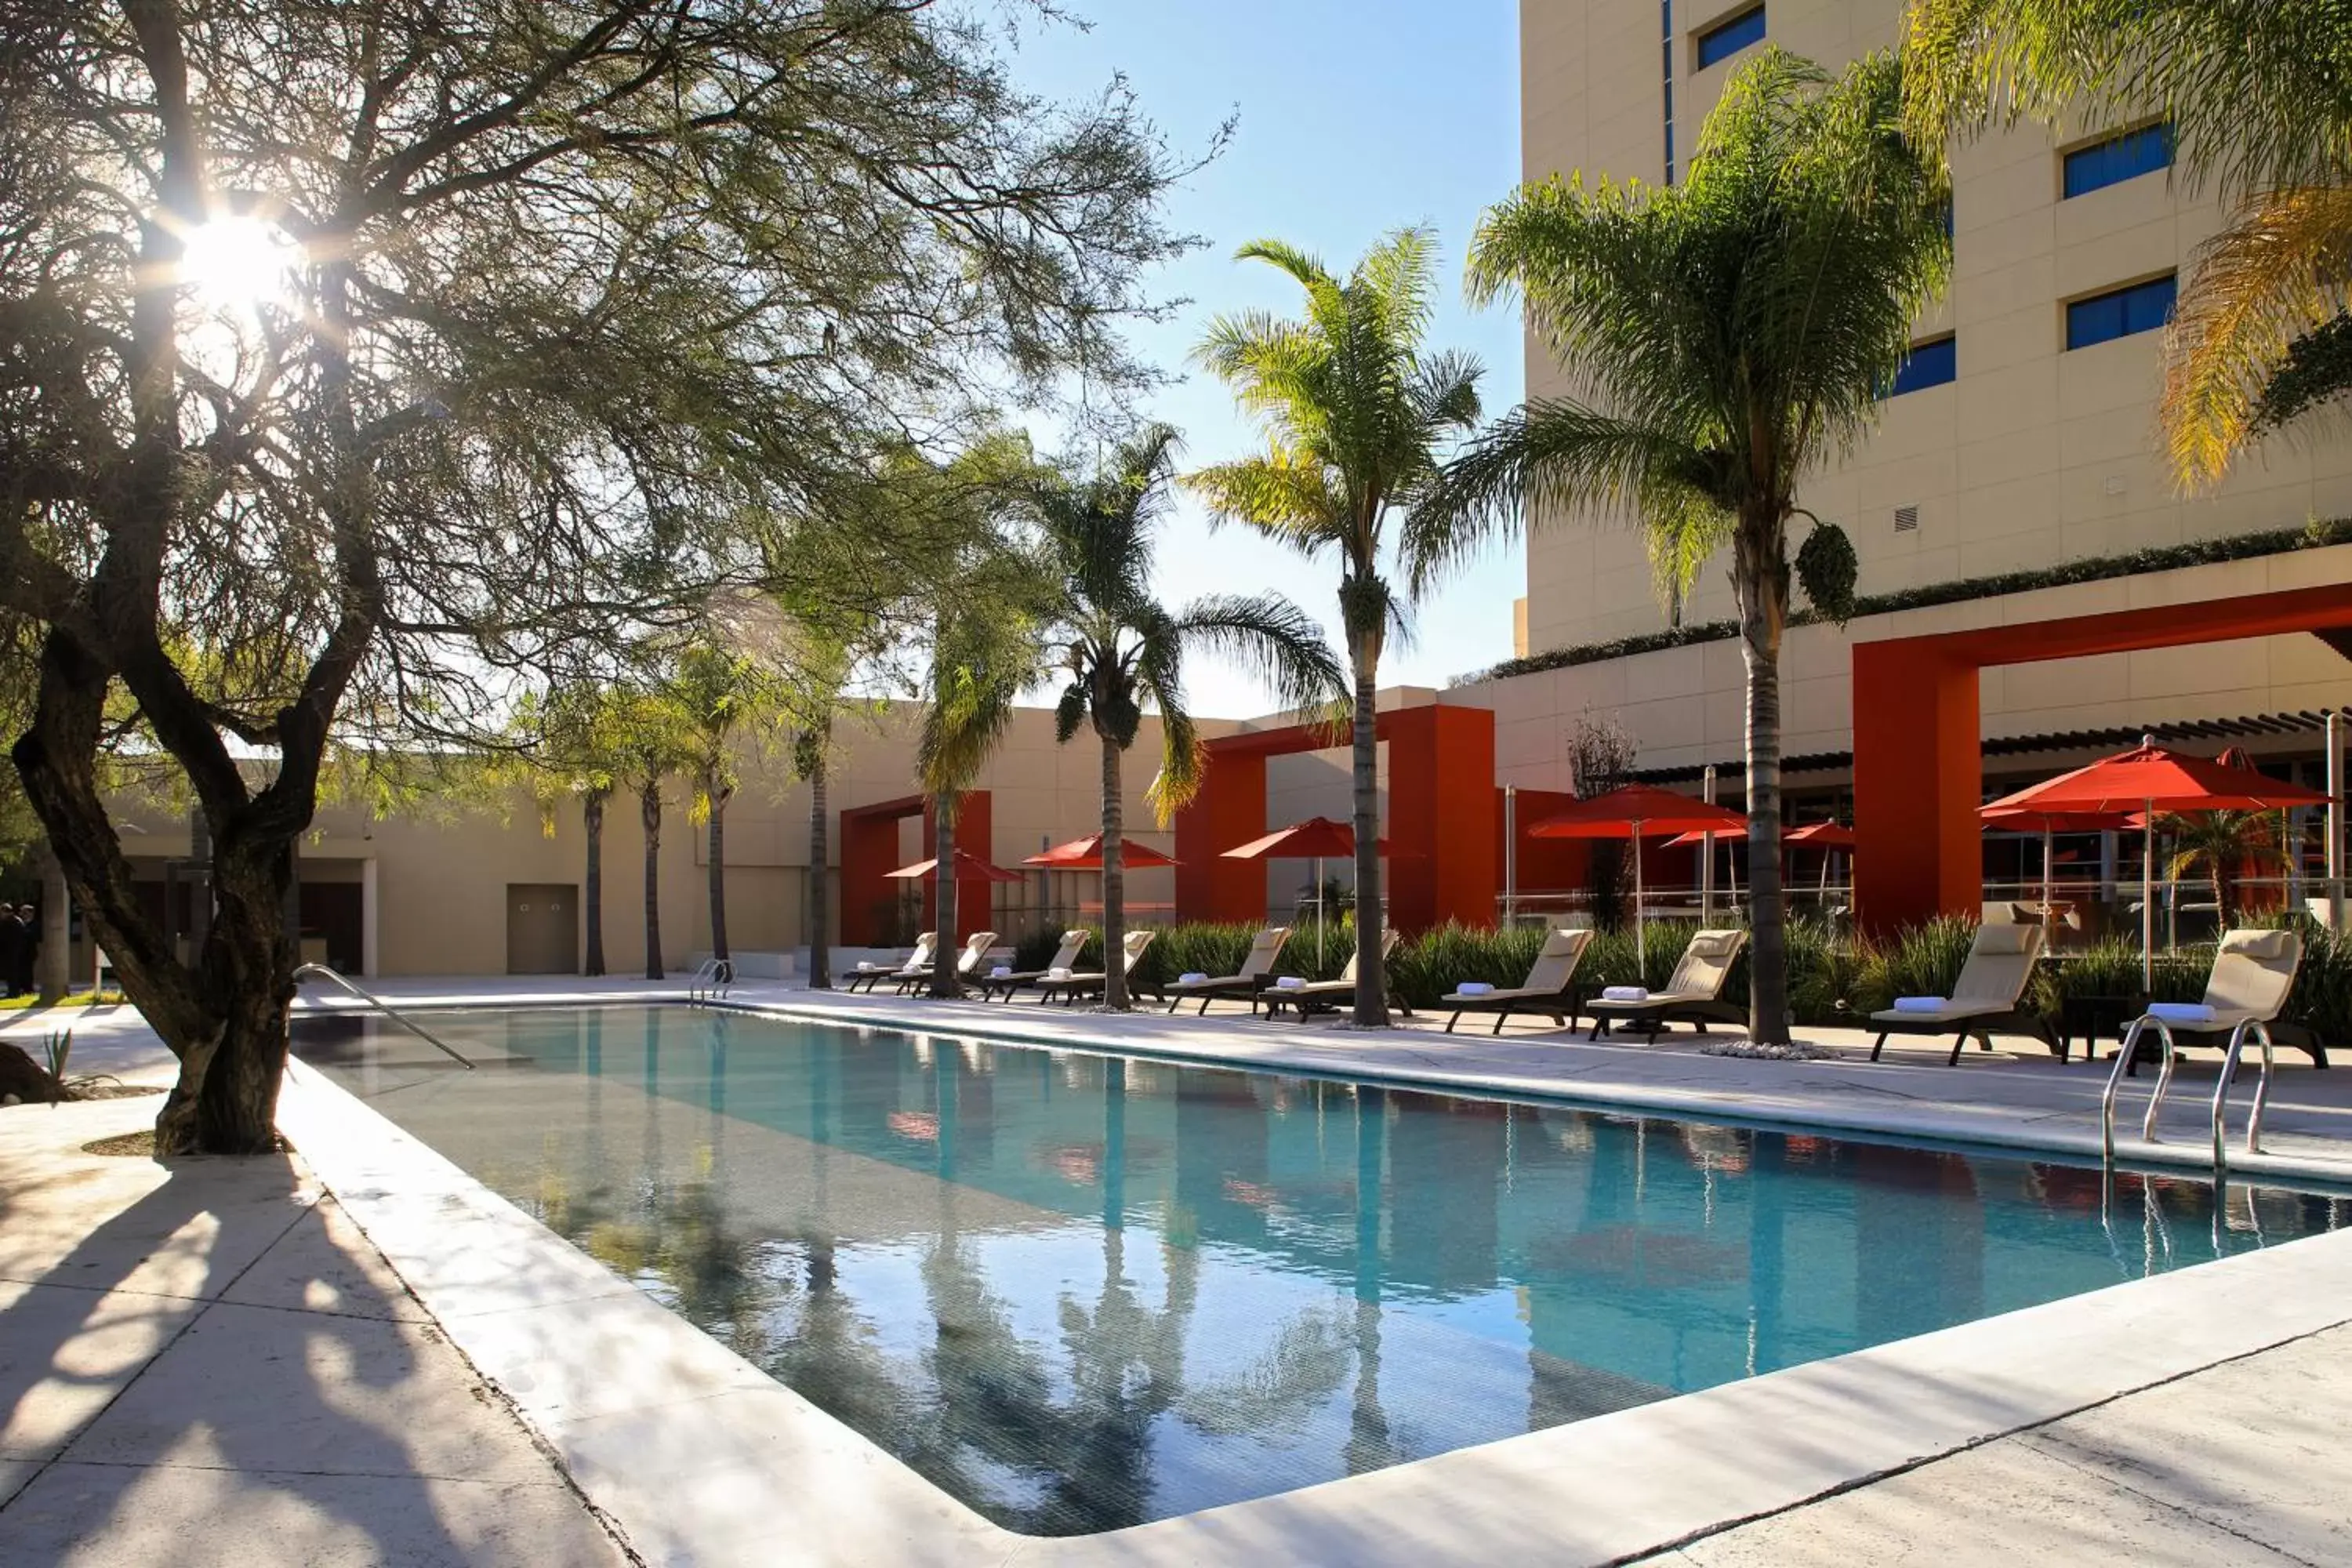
[[14, 961], [29, 949]]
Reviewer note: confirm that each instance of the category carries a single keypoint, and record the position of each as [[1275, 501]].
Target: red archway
[[1441, 818], [869, 852], [1918, 761]]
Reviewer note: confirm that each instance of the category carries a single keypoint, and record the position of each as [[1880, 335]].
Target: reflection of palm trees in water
[[1371, 1446]]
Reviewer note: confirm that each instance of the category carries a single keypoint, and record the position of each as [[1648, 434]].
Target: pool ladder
[[320, 972], [2220, 1107], [709, 981]]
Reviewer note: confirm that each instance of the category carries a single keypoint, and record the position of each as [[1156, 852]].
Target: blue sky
[[1354, 117]]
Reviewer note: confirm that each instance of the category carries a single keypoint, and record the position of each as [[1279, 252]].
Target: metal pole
[[2148, 901], [1707, 855], [2335, 861], [1510, 854], [1641, 936]]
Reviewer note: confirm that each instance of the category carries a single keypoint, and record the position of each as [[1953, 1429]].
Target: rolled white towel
[[1192, 977], [2180, 1012], [1000, 972], [1472, 988], [1059, 972], [1290, 981], [1624, 994], [1922, 1003]]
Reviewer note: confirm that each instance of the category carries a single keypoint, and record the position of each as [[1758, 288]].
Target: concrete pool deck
[[2187, 1417]]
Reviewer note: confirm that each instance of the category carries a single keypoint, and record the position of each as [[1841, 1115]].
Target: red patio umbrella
[[2150, 779], [1827, 835], [1314, 839], [1086, 855], [2026, 820], [1638, 811], [967, 864]]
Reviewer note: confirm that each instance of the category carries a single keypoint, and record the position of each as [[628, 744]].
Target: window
[[1931, 364], [1725, 40], [2117, 159], [2120, 313]]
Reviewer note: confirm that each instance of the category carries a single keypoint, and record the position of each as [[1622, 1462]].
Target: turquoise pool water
[[1080, 1293]]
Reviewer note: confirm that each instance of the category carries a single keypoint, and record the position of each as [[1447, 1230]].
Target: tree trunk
[[716, 846], [944, 952], [1760, 583], [53, 968], [820, 874], [1372, 977], [649, 808], [592, 824], [1114, 875]]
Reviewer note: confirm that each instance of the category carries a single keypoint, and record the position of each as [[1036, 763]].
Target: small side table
[[2089, 1016]]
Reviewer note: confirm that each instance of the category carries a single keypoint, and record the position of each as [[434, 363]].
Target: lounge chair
[[1327, 996], [1071, 987], [1546, 990], [1694, 995], [1986, 999], [1257, 973], [1066, 957], [2253, 974], [975, 948], [915, 963]]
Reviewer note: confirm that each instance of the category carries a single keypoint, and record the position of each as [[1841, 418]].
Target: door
[[542, 928]]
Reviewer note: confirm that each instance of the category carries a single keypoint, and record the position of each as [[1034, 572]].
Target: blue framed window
[[1726, 38], [1931, 364], [2120, 313], [2117, 159]]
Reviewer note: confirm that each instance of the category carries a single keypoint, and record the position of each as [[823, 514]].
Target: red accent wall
[[1918, 761], [1229, 810], [1443, 812], [869, 853], [1441, 816]]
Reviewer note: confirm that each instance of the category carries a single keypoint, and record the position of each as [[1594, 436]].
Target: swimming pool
[[1079, 1293]]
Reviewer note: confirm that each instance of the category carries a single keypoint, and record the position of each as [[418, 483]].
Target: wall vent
[[1907, 520]]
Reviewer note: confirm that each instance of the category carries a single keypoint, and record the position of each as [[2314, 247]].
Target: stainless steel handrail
[[2221, 1092], [712, 980], [385, 1007], [2217, 1120], [2123, 1058]]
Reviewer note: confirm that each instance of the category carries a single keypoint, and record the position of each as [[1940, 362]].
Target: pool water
[[1080, 1293]]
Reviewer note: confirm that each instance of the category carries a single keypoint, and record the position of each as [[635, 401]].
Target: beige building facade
[[2033, 454]]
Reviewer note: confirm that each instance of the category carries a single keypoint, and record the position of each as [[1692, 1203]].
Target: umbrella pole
[[2148, 899], [2049, 883], [1319, 914], [1640, 937]]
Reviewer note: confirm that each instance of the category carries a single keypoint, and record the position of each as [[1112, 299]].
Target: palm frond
[[1271, 638], [2280, 271], [2259, 92]]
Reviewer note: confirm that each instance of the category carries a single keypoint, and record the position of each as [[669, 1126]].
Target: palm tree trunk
[[950, 941], [592, 823], [820, 874], [1371, 980], [649, 810], [1114, 828], [717, 847], [1761, 620]]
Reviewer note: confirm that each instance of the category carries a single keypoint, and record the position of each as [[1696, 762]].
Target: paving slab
[[324, 1264], [66, 1353], [110, 1516], [255, 1388]]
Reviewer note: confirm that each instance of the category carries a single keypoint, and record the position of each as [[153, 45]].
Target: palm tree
[[2228, 846], [1722, 339], [720, 697], [2254, 93], [984, 654], [1122, 650], [1355, 415]]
